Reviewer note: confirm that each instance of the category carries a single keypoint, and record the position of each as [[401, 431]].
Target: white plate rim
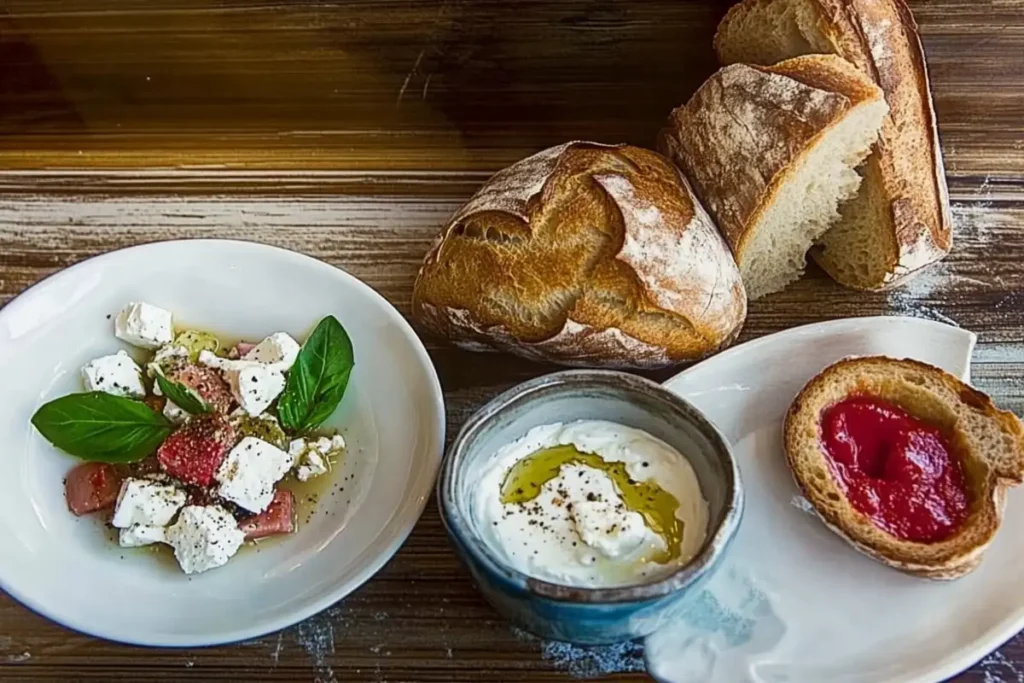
[[416, 503]]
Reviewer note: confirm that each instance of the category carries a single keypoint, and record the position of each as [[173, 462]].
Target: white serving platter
[[791, 601]]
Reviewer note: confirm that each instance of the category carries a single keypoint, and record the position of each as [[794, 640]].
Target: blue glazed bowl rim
[[480, 551]]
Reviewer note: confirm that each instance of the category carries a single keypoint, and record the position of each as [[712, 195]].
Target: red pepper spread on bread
[[897, 470]]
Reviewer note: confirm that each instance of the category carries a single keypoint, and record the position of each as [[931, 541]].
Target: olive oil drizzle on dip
[[590, 503], [657, 506]]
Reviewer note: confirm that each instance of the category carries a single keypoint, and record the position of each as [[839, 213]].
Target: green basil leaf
[[101, 427], [318, 378], [182, 396]]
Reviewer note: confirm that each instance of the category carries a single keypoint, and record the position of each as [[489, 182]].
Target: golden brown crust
[[584, 254], [880, 38], [738, 171], [965, 413]]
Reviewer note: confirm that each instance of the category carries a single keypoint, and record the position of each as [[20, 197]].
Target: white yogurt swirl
[[577, 531]]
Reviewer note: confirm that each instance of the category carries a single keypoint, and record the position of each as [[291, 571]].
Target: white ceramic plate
[[392, 416], [792, 602]]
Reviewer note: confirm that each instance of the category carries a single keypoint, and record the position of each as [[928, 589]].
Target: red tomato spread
[[899, 471]]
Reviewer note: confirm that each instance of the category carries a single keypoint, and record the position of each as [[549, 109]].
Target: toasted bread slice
[[990, 441]]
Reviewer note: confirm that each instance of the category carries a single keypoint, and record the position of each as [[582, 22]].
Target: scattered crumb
[[316, 637]]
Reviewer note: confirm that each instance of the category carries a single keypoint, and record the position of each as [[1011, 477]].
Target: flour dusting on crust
[[647, 281], [685, 268]]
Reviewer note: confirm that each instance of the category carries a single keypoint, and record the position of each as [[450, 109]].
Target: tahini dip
[[591, 503]]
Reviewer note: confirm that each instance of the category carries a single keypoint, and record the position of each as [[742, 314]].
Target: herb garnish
[[318, 378], [182, 396], [102, 427]]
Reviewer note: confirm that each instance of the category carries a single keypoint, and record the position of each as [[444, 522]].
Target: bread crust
[[584, 254], [881, 39], [946, 401], [738, 172]]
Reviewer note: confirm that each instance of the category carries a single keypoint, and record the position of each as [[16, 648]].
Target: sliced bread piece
[[989, 441], [584, 254], [771, 151], [899, 222]]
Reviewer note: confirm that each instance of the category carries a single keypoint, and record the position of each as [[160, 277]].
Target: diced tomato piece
[[206, 382], [92, 486], [194, 452], [278, 518]]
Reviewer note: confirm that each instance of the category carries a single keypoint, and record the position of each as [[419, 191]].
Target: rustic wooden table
[[350, 131]]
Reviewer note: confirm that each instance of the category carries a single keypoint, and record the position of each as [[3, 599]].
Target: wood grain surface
[[350, 131]]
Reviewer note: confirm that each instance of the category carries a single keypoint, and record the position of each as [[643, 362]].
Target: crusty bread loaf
[[990, 440], [899, 221], [771, 152], [583, 254]]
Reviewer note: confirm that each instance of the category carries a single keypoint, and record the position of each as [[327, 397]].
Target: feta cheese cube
[[255, 387], [117, 374], [144, 325], [249, 472], [146, 502], [138, 535], [312, 458], [278, 350], [175, 413], [204, 537]]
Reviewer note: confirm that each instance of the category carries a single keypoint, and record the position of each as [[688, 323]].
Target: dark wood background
[[350, 131]]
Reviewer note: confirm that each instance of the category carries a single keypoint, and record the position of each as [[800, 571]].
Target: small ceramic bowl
[[569, 613]]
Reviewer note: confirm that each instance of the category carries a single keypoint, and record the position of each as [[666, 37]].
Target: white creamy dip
[[578, 531]]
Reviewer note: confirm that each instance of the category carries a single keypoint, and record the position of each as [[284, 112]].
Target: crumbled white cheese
[[596, 510], [146, 502], [175, 413], [166, 356], [249, 472], [144, 325], [278, 350], [312, 458], [608, 528], [255, 387], [117, 374], [138, 535], [204, 537], [212, 360]]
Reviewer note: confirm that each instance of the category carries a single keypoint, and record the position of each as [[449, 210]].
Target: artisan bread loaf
[[583, 254], [990, 442], [899, 221], [771, 152]]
